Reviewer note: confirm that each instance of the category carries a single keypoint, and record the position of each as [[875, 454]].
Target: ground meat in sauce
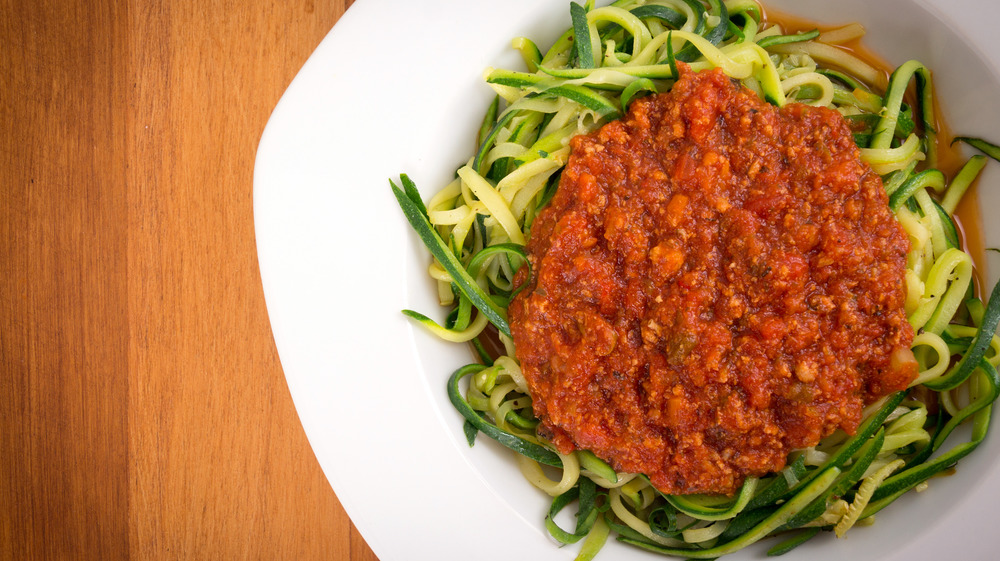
[[716, 283]]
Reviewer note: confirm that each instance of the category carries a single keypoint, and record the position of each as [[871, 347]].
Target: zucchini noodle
[[476, 228]]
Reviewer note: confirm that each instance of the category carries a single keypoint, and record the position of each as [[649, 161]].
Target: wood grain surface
[[143, 409]]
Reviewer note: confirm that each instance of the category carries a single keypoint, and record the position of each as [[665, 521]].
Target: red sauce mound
[[716, 283]]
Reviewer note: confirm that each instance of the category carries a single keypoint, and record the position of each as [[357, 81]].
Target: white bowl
[[396, 88]]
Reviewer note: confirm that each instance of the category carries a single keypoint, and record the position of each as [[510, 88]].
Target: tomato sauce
[[716, 282]]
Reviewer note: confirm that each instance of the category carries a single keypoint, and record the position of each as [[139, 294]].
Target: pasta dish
[[712, 277]]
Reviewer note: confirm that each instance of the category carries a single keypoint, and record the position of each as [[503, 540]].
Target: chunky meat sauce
[[716, 283]]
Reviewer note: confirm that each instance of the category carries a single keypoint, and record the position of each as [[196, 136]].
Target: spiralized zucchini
[[476, 227]]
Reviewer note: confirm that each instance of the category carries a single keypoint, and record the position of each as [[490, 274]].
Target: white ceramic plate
[[396, 88]]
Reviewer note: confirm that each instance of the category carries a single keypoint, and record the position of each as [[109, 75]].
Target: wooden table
[[143, 409]]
